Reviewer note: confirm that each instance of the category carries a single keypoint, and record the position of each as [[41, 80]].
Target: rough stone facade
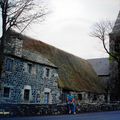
[[28, 77]]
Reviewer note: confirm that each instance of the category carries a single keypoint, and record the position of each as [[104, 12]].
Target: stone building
[[28, 77], [76, 74], [115, 64], [36, 72], [101, 67]]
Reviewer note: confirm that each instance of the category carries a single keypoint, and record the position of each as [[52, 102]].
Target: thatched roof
[[38, 58], [75, 73]]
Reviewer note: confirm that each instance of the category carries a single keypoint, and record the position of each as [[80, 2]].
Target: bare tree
[[101, 31], [18, 14]]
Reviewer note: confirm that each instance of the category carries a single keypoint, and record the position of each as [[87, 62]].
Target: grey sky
[[69, 25]]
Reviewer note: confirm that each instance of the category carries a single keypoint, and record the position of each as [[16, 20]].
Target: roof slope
[[100, 65], [75, 73], [36, 57], [116, 27]]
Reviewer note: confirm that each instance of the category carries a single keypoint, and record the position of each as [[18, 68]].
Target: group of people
[[71, 103]]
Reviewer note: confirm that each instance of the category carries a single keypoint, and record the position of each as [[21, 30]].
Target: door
[[46, 98], [26, 95]]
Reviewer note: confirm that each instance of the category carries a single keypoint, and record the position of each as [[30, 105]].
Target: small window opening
[[30, 68], [6, 92], [47, 72]]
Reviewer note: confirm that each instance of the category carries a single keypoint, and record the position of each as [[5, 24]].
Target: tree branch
[[101, 31], [32, 20]]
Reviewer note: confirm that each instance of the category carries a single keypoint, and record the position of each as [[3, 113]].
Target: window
[[47, 72], [30, 68], [6, 92], [34, 69], [95, 97], [46, 98], [80, 96], [26, 94], [9, 64]]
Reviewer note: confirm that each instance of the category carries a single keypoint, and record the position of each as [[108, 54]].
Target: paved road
[[85, 116]]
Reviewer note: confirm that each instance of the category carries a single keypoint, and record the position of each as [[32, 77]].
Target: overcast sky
[[69, 25]]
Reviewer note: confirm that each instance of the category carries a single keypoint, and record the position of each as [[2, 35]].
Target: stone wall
[[114, 72], [28, 77], [18, 79], [13, 110], [14, 46]]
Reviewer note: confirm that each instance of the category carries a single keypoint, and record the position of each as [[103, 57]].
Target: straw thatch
[[75, 74]]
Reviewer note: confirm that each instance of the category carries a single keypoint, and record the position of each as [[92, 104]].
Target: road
[[84, 116]]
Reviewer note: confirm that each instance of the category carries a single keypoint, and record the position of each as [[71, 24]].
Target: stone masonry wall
[[14, 46], [19, 79]]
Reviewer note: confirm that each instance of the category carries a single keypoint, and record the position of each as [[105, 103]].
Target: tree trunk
[[4, 7]]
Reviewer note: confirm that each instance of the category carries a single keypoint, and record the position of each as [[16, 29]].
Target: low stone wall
[[31, 109], [53, 109], [98, 107]]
